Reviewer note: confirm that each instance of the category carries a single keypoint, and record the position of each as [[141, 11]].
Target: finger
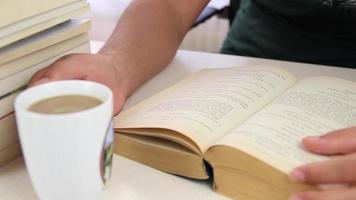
[[336, 142], [337, 170], [335, 194], [63, 69], [47, 74], [37, 76], [68, 69]]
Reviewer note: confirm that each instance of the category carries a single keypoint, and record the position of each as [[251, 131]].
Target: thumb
[[337, 142]]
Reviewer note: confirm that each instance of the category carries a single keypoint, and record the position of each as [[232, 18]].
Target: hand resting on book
[[341, 169]]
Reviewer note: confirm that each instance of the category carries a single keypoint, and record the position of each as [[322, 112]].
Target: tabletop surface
[[131, 180]]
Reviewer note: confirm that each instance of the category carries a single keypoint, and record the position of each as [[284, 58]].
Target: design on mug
[[107, 154]]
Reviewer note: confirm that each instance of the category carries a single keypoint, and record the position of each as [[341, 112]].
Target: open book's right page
[[312, 107]]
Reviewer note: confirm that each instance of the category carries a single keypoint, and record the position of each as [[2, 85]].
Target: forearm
[[147, 36]]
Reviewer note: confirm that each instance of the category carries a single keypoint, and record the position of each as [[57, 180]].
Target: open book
[[243, 126]]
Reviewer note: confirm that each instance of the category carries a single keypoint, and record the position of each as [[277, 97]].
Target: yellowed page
[[312, 107], [207, 105]]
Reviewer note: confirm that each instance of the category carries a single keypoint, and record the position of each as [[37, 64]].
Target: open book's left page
[[205, 106]]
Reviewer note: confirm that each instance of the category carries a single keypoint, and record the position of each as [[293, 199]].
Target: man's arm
[[148, 35], [143, 43]]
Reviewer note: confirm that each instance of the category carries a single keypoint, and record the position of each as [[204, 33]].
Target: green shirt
[[313, 31]]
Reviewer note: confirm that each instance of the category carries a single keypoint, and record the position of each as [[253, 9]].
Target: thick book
[[37, 23], [10, 68], [43, 39], [242, 127], [17, 73], [9, 142], [12, 11]]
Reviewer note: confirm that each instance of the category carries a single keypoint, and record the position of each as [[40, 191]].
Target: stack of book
[[33, 34]]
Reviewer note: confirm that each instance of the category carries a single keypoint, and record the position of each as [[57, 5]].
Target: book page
[[208, 104], [312, 107]]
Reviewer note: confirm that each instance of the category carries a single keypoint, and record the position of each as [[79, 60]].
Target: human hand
[[94, 67], [340, 169]]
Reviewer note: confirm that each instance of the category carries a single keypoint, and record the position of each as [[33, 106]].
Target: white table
[[131, 180]]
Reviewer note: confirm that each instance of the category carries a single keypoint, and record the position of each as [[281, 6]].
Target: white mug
[[65, 153]]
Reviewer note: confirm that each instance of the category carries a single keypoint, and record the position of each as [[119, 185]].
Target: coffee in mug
[[64, 104]]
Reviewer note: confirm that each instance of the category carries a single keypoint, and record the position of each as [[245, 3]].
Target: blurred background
[[207, 36]]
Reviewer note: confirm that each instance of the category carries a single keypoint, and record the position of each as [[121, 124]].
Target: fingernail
[[41, 81], [297, 176], [295, 197]]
